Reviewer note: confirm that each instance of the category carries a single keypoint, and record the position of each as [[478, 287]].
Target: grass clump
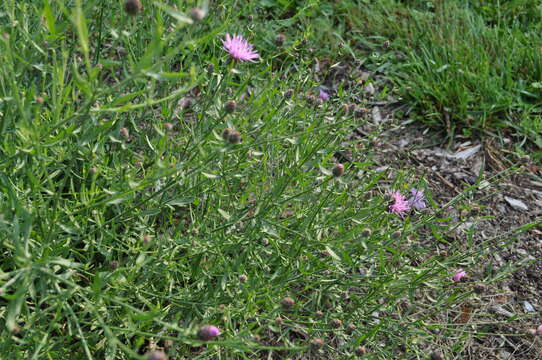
[[467, 66], [158, 196]]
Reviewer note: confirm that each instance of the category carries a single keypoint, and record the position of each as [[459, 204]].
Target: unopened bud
[[230, 106], [279, 40], [338, 170], [132, 7]]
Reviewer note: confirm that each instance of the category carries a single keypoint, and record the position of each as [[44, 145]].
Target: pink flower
[[239, 48], [539, 330], [323, 95], [417, 201], [459, 275], [400, 206]]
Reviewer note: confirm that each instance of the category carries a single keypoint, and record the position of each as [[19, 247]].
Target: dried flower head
[[459, 275], [336, 323], [132, 7], [168, 126], [208, 332], [239, 48], [197, 14], [361, 350], [317, 343], [319, 314], [230, 106], [168, 343], [114, 265], [287, 302], [436, 355], [338, 170], [400, 205]]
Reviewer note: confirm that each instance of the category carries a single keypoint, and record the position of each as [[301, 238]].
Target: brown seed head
[[114, 265], [351, 328], [361, 350], [436, 355], [168, 344], [317, 343], [319, 314], [287, 302], [132, 7], [168, 126], [124, 133]]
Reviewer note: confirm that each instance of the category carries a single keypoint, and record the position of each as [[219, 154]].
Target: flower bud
[[279, 40], [243, 278], [230, 106], [124, 133], [338, 170], [132, 7], [234, 137], [287, 302], [208, 332]]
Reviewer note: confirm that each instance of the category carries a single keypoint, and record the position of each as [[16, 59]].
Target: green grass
[[467, 66], [118, 232]]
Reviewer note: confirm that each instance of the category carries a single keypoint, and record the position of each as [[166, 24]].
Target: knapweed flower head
[[417, 201], [323, 95], [459, 275], [208, 332], [239, 48], [400, 205], [539, 330]]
